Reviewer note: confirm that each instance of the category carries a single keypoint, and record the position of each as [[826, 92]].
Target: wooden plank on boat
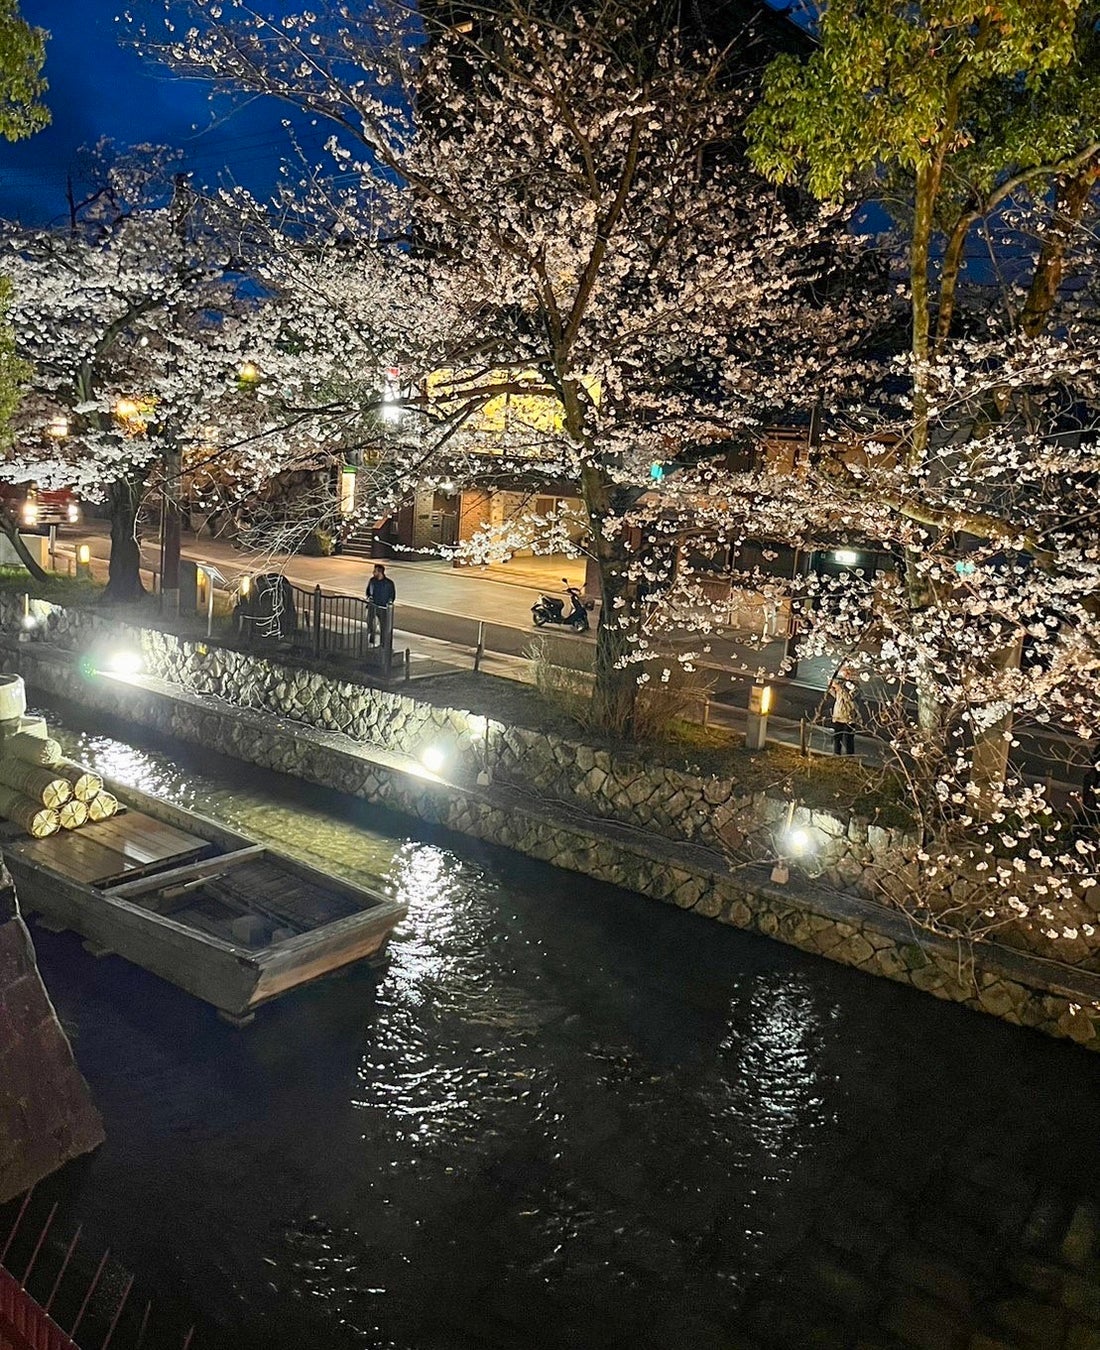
[[207, 867], [143, 839], [74, 855]]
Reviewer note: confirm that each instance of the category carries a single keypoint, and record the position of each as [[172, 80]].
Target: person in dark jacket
[[381, 593], [1088, 815]]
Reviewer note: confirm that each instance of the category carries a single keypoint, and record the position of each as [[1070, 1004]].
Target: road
[[444, 606]]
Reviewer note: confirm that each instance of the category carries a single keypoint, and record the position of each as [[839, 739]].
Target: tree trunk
[[616, 685], [11, 529], [170, 532], [989, 761], [124, 571], [1073, 195]]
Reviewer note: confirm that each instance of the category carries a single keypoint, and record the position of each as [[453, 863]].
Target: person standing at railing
[[381, 593]]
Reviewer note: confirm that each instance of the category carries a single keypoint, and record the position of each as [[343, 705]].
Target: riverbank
[[653, 841]]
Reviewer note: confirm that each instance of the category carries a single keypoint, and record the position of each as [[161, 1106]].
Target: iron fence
[[320, 623]]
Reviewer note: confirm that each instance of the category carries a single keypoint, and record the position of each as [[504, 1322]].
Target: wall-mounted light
[[347, 490], [846, 557]]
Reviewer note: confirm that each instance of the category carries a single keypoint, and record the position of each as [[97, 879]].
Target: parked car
[[35, 509]]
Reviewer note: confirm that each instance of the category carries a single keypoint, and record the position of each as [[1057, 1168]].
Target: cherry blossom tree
[[549, 214], [135, 331], [973, 458]]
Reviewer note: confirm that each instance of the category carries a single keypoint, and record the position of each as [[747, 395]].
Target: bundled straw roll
[[72, 815], [33, 749], [41, 784], [102, 806], [86, 783], [38, 821]]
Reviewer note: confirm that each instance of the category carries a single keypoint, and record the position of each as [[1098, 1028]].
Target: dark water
[[567, 1117]]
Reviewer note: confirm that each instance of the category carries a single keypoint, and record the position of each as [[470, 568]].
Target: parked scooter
[[550, 609]]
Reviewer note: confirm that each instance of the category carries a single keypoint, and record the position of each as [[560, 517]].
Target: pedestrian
[[381, 593], [844, 712], [1088, 815]]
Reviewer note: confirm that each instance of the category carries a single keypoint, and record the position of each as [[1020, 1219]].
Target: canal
[[568, 1116]]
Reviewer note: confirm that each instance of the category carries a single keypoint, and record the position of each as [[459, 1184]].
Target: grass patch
[[58, 588]]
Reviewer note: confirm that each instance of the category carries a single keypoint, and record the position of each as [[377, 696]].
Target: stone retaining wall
[[853, 855], [849, 929]]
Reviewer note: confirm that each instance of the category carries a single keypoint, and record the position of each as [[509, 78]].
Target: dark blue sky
[[98, 88]]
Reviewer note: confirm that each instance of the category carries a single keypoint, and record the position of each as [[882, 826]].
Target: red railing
[[24, 1325]]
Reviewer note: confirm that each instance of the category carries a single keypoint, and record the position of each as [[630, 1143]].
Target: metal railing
[[321, 623]]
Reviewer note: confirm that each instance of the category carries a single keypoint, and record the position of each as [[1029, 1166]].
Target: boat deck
[[245, 897], [108, 851]]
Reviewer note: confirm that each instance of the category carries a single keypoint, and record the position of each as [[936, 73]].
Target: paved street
[[439, 608]]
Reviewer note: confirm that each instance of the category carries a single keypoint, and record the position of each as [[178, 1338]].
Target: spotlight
[[434, 758], [798, 841], [124, 663]]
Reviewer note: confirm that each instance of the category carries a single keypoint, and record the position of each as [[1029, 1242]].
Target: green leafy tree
[[949, 112], [22, 55], [945, 109]]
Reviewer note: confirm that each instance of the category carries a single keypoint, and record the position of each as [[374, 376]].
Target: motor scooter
[[551, 609]]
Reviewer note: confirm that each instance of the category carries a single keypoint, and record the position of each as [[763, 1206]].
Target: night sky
[[97, 88]]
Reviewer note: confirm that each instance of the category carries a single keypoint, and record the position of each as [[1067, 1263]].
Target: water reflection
[[567, 1117]]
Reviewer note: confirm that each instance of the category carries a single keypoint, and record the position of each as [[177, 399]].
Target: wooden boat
[[229, 920]]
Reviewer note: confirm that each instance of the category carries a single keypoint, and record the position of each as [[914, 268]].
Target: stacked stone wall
[[854, 855], [851, 930]]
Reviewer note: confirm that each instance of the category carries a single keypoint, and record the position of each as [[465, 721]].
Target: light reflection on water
[[566, 1116]]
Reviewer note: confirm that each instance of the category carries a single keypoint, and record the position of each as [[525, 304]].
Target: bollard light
[[84, 554], [756, 727], [244, 586]]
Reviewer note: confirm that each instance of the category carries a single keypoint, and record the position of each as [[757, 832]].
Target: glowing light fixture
[[84, 554], [846, 557], [798, 841], [124, 663], [58, 427], [347, 490], [248, 372], [244, 587], [126, 409], [391, 394], [434, 758]]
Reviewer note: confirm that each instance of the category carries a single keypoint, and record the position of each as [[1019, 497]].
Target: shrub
[[316, 544]]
